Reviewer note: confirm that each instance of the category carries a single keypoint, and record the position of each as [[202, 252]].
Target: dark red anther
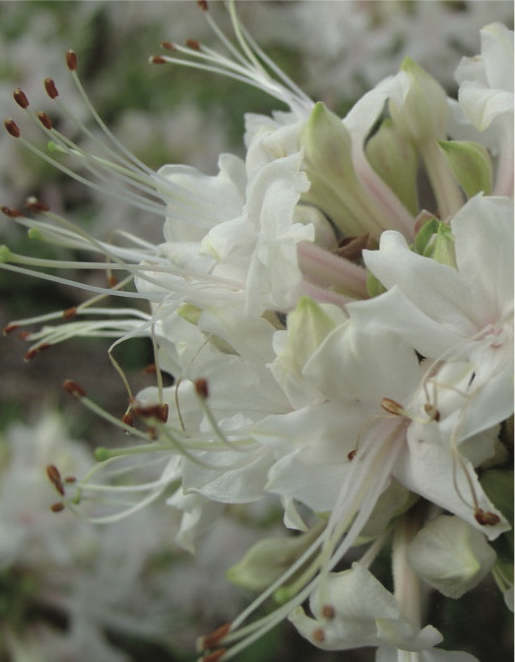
[[50, 88], [202, 388], [45, 120], [167, 45], [351, 455], [213, 638], [203, 5], [128, 419], [159, 412], [55, 478], [70, 479], [74, 389], [193, 44], [486, 518], [69, 313], [20, 98], [30, 354], [10, 328], [158, 59], [36, 205], [112, 280], [71, 60], [12, 213], [12, 128], [150, 369], [57, 507]]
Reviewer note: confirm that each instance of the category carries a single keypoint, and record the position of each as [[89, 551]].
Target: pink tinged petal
[[325, 269], [359, 121], [437, 289], [484, 254]]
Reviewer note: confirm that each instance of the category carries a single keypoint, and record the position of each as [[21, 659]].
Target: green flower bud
[[470, 164]]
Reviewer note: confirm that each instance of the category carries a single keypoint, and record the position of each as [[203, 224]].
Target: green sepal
[[470, 164], [394, 159], [435, 240], [374, 285], [498, 486]]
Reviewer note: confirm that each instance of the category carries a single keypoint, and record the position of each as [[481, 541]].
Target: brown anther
[[168, 46], [55, 478], [215, 656], [318, 635], [150, 369], [202, 388], [157, 59], [12, 128], [159, 412], [25, 335], [57, 507], [193, 44], [392, 407], [45, 120], [486, 518], [10, 328], [36, 205], [213, 638], [128, 419], [112, 280], [44, 346], [329, 612], [432, 412], [203, 5], [28, 356], [50, 88], [12, 213], [70, 479], [351, 455], [74, 389], [20, 98], [69, 313], [71, 60]]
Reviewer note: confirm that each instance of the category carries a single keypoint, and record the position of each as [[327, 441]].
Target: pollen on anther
[[36, 205], [203, 5], [57, 507], [167, 45], [157, 59], [71, 60], [128, 419], [159, 412], [28, 356], [392, 407], [45, 120], [12, 128], [10, 328], [50, 88], [74, 389], [20, 98], [351, 455]]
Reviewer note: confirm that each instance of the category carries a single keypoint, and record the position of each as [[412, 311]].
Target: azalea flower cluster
[[337, 312]]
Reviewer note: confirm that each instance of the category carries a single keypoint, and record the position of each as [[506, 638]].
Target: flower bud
[[470, 164]]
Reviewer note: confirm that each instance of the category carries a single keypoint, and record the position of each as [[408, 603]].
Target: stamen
[[393, 407], [159, 412], [203, 5], [45, 120], [57, 507], [12, 213], [193, 44], [486, 518], [71, 60], [211, 640], [158, 59], [50, 88], [20, 98], [12, 128], [55, 478], [202, 388], [74, 389], [167, 45]]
